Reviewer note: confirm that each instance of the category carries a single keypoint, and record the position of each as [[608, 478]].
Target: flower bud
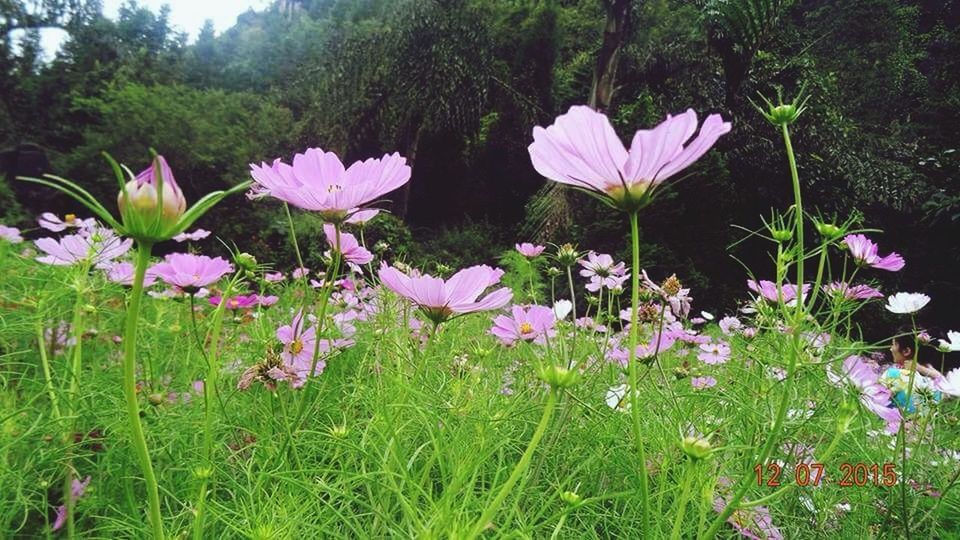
[[571, 498], [246, 261], [829, 231], [152, 203], [559, 377], [202, 473], [696, 447], [339, 431], [782, 235], [156, 399], [567, 255], [782, 114]]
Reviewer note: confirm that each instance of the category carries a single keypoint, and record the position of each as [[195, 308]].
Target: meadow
[[553, 393]]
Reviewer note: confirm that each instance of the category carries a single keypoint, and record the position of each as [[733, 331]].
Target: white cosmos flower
[[950, 383], [707, 315], [562, 308], [951, 344], [906, 303]]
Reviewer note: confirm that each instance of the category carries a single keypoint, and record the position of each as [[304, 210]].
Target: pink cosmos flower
[[441, 300], [701, 383], [298, 345], [589, 324], [714, 353], [191, 272], [142, 196], [534, 323], [361, 217], [274, 277], [246, 301], [679, 300], [51, 222], [754, 523], [301, 272], [194, 236], [729, 325], [768, 290], [99, 247], [529, 250], [851, 292], [864, 377], [318, 181], [619, 352], [581, 149], [351, 250], [122, 273], [602, 271], [10, 234], [865, 252], [77, 489]]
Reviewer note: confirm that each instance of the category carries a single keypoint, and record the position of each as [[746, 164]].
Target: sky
[[185, 15]]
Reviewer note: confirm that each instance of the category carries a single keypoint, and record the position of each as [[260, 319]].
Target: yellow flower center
[[234, 302], [69, 218], [526, 328], [296, 347]]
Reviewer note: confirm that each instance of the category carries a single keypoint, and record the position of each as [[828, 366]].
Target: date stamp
[[814, 474]]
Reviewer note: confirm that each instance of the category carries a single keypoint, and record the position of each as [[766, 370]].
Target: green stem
[[518, 470], [573, 305], [798, 216], [632, 369], [47, 376], [684, 498], [130, 388]]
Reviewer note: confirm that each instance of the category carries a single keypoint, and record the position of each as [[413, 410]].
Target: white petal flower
[[707, 315], [951, 344], [949, 383], [562, 308], [905, 303]]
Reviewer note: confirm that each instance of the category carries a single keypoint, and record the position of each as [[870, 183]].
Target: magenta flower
[[602, 272], [245, 301], [194, 236], [841, 289], [77, 489], [10, 234], [768, 290], [122, 273], [582, 150], [98, 247], [701, 383], [351, 250], [191, 272], [534, 323], [866, 253], [317, 181], [657, 344], [714, 353], [529, 250], [52, 222], [441, 300]]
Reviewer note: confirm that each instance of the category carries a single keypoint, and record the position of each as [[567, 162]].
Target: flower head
[[714, 353], [98, 246], [191, 272], [534, 323], [122, 273], [768, 291], [529, 250], [581, 149], [77, 489], [351, 250], [602, 271], [441, 299], [905, 303], [840, 289], [951, 344], [318, 181], [52, 222], [10, 234], [194, 236], [865, 253], [701, 383], [950, 383], [152, 202]]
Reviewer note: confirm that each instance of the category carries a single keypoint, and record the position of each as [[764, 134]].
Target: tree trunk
[[401, 197], [605, 70]]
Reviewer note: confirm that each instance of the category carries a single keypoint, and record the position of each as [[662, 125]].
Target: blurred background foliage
[[456, 87]]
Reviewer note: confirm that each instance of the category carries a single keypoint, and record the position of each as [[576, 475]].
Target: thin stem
[[130, 388], [798, 215], [573, 305], [632, 368], [47, 376], [518, 470], [684, 498]]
